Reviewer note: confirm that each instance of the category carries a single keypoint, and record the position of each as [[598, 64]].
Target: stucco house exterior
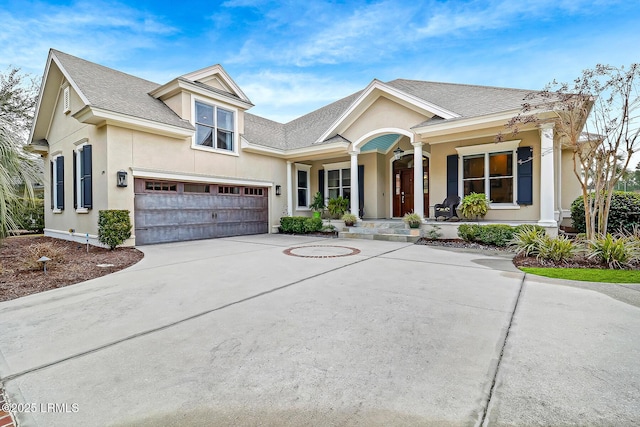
[[189, 161]]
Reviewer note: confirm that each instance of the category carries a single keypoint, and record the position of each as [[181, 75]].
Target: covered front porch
[[386, 175]]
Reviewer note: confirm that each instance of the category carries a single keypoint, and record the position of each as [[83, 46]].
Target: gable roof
[[457, 101], [115, 91]]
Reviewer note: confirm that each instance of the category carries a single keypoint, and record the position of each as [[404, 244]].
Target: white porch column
[[289, 190], [355, 197], [418, 179], [547, 177]]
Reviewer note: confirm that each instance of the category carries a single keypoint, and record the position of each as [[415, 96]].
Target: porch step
[[383, 237], [391, 231]]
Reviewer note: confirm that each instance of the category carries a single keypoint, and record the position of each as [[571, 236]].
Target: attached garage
[[168, 211]]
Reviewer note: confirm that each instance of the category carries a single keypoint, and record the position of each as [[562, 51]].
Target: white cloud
[[284, 96], [97, 31]]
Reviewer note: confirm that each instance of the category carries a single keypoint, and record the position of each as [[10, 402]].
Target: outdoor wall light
[[397, 153], [122, 178], [278, 190]]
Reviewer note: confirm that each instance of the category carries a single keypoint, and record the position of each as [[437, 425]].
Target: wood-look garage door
[[175, 211]]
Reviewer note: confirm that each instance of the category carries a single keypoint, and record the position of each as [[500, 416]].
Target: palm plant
[[19, 170]]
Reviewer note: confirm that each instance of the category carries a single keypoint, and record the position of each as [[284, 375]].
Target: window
[[490, 170], [57, 183], [228, 190], [251, 191], [82, 185], [196, 188], [302, 184], [214, 127], [339, 183], [160, 186]]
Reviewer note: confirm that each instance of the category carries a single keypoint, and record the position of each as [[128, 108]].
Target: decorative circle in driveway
[[321, 251]]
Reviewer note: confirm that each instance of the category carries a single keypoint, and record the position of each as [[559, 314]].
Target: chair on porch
[[447, 208]]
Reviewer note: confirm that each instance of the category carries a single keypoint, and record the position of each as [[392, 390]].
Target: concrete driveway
[[237, 332]]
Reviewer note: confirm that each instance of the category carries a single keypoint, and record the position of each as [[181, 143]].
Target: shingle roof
[[465, 100], [118, 92]]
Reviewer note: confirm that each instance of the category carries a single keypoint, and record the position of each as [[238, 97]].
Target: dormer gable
[[211, 82]]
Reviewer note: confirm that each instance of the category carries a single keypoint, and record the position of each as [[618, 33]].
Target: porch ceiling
[[381, 143]]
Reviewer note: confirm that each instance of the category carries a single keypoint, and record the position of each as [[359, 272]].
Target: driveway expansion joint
[[13, 376], [484, 421]]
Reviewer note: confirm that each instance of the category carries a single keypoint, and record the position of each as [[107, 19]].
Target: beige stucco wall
[[571, 187], [65, 133], [383, 113]]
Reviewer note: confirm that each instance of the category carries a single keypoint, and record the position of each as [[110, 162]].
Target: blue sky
[[292, 57]]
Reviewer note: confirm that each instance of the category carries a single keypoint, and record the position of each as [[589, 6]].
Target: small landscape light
[[44, 260]]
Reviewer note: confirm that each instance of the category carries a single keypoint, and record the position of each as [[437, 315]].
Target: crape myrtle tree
[[597, 117], [19, 170]]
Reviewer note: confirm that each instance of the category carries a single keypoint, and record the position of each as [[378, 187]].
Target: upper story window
[[214, 127]]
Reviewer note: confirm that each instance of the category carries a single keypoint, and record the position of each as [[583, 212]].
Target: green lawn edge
[[587, 274]]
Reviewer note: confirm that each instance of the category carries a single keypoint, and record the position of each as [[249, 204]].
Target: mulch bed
[[18, 278], [518, 261]]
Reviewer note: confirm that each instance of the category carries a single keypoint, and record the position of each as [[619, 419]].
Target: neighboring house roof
[[118, 92]]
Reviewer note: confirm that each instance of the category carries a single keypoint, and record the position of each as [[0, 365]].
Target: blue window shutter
[[52, 165], [525, 176], [75, 181], [361, 190], [60, 182], [452, 175], [321, 182], [86, 172]]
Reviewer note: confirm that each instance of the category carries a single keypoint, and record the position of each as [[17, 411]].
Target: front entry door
[[403, 194], [403, 186]]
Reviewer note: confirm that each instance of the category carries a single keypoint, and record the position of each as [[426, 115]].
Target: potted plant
[[412, 219], [349, 219], [474, 205], [317, 205], [338, 206]]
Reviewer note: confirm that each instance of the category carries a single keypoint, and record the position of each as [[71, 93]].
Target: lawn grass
[[587, 274]]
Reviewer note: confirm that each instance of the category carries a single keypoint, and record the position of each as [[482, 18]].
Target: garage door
[[176, 211]]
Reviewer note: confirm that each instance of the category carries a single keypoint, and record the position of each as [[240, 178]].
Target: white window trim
[[236, 134], [78, 177], [307, 169], [334, 166], [54, 184], [487, 149]]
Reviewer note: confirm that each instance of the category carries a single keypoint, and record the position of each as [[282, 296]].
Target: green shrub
[[556, 249], [311, 225], [349, 218], [495, 234], [616, 252], [468, 232], [337, 206], [300, 224], [526, 239], [114, 227], [624, 212], [474, 205]]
